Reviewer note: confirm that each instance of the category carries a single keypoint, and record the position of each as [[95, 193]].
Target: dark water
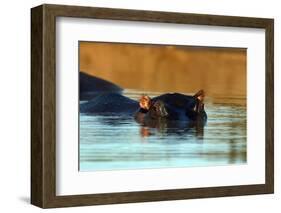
[[114, 143]]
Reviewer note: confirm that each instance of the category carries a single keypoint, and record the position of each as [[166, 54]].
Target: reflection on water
[[113, 142]]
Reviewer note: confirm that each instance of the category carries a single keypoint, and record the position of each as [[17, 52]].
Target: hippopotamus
[[169, 107], [91, 86], [109, 104]]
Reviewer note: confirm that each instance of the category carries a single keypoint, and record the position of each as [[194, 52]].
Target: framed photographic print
[[136, 106]]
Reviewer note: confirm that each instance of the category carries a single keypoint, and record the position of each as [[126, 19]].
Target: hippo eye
[[156, 109]]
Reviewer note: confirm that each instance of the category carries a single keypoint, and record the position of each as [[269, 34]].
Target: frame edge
[[37, 189], [269, 138]]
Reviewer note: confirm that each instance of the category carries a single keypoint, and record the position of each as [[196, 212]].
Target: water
[[114, 143]]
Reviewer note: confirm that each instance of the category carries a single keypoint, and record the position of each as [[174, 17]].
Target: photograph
[[155, 106], [140, 105]]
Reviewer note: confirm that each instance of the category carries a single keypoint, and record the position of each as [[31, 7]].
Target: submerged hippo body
[[167, 107], [106, 98], [91, 86], [110, 103]]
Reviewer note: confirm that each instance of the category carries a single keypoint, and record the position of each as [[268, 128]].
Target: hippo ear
[[145, 102], [200, 95]]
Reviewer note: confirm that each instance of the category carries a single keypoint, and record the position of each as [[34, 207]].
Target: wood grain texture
[[36, 106], [269, 118], [43, 105]]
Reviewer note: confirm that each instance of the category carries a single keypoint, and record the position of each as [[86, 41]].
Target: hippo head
[[173, 106]]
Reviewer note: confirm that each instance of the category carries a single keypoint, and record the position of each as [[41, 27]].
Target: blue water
[[116, 143]]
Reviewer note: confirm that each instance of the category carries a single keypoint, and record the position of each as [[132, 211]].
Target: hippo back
[[91, 86], [110, 103]]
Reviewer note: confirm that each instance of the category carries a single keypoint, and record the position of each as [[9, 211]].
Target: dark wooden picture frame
[[43, 105]]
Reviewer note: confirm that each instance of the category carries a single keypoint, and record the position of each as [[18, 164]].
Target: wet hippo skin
[[110, 103], [91, 86], [104, 97], [173, 107]]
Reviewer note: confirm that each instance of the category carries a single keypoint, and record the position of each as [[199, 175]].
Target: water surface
[[116, 143]]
